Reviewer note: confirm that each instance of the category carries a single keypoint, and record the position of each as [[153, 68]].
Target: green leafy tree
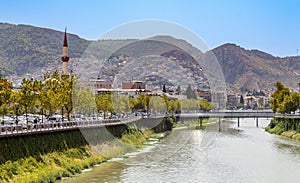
[[205, 105], [157, 104], [66, 93], [290, 103], [278, 97], [5, 93], [240, 105], [120, 104], [144, 101], [85, 102], [104, 104], [173, 105], [190, 104], [52, 92], [41, 97], [15, 101], [134, 104], [27, 95]]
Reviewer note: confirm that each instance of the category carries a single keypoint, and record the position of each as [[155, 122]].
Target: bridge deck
[[10, 130]]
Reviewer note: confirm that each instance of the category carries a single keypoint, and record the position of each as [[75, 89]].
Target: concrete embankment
[[46, 157]]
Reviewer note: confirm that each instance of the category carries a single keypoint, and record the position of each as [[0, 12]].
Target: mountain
[[148, 60], [27, 49], [254, 69], [30, 51]]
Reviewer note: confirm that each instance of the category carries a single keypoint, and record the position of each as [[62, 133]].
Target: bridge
[[237, 114], [17, 130], [231, 114]]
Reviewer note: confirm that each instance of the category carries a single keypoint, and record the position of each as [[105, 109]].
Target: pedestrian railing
[[58, 126]]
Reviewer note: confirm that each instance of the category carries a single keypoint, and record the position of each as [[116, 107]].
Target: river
[[244, 154]]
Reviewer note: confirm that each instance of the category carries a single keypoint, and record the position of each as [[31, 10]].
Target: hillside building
[[132, 84]]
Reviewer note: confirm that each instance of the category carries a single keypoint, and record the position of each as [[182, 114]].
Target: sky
[[270, 26]]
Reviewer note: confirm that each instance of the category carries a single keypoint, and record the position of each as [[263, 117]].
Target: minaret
[[65, 57]]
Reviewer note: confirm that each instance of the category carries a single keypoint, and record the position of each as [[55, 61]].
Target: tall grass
[[55, 165], [282, 127]]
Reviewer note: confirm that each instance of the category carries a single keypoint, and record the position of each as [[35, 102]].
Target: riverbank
[[191, 155], [284, 127], [67, 163]]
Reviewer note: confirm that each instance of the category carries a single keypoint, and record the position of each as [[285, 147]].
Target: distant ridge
[[29, 50], [254, 69]]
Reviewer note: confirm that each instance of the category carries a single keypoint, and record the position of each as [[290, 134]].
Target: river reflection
[[245, 154]]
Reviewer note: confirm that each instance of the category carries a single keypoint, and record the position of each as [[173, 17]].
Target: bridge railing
[[52, 126]]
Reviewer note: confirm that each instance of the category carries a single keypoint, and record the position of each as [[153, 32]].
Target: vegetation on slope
[[71, 161], [284, 101], [26, 49]]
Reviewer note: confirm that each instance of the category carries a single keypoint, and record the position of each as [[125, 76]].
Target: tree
[[144, 101], [52, 92], [103, 103], [134, 104], [15, 100], [240, 105], [242, 99], [85, 102], [190, 93], [41, 98], [173, 105], [278, 97], [67, 92], [5, 93], [290, 103], [120, 104], [157, 104], [204, 105], [27, 95], [164, 89], [189, 104], [178, 90]]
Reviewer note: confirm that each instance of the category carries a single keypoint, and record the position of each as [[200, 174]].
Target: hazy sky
[[271, 26]]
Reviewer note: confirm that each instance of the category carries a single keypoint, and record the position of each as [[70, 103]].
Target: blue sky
[[271, 26]]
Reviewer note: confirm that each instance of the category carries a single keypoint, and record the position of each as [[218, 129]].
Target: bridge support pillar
[[200, 121], [219, 124], [238, 122], [257, 122]]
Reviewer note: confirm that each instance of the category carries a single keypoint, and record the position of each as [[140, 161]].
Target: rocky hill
[[29, 50], [146, 60], [254, 69]]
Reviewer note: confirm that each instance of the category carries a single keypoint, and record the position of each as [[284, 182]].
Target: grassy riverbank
[[279, 127], [53, 166]]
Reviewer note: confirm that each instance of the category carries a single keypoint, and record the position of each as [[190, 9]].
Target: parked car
[[55, 118], [24, 125]]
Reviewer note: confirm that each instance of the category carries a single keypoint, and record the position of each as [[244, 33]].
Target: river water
[[244, 154]]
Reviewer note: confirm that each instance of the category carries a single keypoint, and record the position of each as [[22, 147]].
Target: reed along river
[[245, 154]]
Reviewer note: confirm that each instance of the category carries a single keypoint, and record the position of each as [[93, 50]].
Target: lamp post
[[17, 108]]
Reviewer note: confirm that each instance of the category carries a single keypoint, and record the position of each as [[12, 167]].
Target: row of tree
[[64, 95], [35, 96], [110, 103], [283, 100]]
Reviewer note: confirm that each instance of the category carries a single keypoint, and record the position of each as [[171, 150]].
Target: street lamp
[[17, 108]]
